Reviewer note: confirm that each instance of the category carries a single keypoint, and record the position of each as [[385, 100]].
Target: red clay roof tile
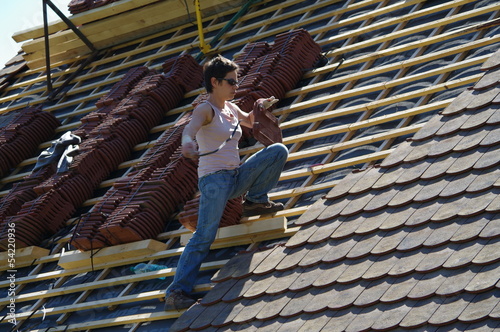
[[380, 267], [240, 288], [492, 229], [486, 279], [298, 302], [460, 103], [305, 279], [329, 274], [348, 227], [478, 118], [492, 62], [391, 315], [373, 292], [420, 313], [490, 253], [400, 289], [452, 124], [316, 254], [370, 177], [456, 280], [269, 263], [479, 307], [375, 220], [258, 287], [399, 154], [389, 242], [327, 228], [347, 183], [284, 280], [450, 310], [338, 250]]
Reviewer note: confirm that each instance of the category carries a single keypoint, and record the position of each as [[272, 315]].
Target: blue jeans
[[256, 177]]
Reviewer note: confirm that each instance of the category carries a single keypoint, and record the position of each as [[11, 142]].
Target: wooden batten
[[11, 260], [248, 232], [78, 259], [105, 28]]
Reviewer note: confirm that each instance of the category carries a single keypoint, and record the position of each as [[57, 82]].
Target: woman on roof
[[215, 124]]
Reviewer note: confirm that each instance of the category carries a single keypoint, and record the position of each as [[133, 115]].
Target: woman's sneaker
[[178, 300], [253, 209]]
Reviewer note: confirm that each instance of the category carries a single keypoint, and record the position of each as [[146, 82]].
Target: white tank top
[[211, 136]]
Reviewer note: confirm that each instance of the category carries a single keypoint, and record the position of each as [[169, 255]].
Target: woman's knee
[[279, 150]]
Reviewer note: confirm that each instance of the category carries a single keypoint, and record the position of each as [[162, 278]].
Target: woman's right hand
[[190, 150]]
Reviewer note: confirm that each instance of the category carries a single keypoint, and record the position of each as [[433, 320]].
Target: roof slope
[[413, 242], [390, 67]]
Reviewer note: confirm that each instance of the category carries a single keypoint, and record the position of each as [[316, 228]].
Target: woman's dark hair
[[217, 67]]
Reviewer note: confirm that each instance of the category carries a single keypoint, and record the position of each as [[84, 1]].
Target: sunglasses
[[231, 81]]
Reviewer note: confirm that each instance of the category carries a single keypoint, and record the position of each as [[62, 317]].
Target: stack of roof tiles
[[12, 68], [273, 70], [231, 216], [19, 139], [137, 207], [78, 6], [23, 192], [21, 136], [134, 106], [110, 100], [411, 243], [267, 71]]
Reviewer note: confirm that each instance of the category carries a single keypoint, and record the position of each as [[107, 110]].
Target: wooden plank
[[121, 320], [117, 29], [77, 259], [355, 142], [372, 105], [335, 165], [62, 273], [402, 65], [82, 18], [244, 230], [385, 23], [384, 85], [21, 257], [422, 27], [104, 283], [256, 238]]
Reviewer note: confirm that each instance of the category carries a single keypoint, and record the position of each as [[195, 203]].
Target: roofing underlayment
[[389, 111]]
